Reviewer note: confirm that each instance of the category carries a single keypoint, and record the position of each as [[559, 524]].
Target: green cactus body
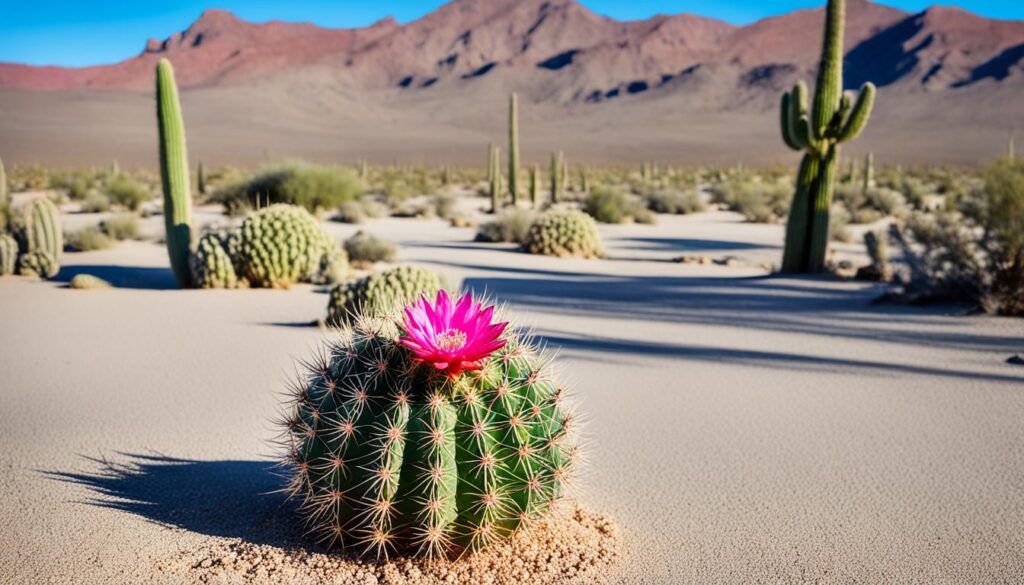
[[391, 456], [564, 233], [8, 255], [38, 264], [211, 264], [584, 185], [174, 174], [281, 245], [535, 187], [869, 172], [378, 293], [200, 178], [43, 235], [4, 195], [832, 120], [495, 175], [513, 148], [557, 176]]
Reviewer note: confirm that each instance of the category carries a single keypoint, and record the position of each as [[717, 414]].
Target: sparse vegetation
[[510, 225], [314, 187], [364, 248], [124, 226], [88, 239], [610, 205], [758, 200]]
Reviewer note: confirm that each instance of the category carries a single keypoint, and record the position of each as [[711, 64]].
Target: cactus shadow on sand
[[226, 498], [136, 277]]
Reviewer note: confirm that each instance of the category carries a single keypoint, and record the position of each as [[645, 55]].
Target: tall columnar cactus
[[832, 120], [495, 178], [534, 186], [174, 174], [430, 432], [200, 178], [584, 185], [4, 199], [557, 176], [869, 172], [43, 238], [513, 148], [8, 255]]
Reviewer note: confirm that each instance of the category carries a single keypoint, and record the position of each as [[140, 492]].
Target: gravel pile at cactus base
[[569, 546]]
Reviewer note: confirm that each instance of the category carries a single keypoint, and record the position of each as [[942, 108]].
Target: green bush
[[674, 202], [124, 226], [367, 249], [95, 202], [758, 200], [125, 191], [88, 239], [510, 225], [314, 187], [350, 212]]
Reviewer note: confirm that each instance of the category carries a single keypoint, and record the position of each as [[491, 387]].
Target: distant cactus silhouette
[[174, 174], [534, 186], [4, 200], [557, 176], [832, 120], [869, 172], [495, 178], [200, 179], [513, 148]]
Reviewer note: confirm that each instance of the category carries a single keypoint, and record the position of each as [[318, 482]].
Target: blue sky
[[76, 33]]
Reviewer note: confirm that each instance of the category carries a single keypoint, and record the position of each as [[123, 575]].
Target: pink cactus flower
[[452, 337]]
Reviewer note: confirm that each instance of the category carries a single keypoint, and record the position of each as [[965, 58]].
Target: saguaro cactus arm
[[859, 115]]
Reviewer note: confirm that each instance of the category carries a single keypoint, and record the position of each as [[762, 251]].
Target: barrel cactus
[[431, 432], [43, 238], [380, 292], [564, 233], [281, 245], [8, 255], [211, 264]]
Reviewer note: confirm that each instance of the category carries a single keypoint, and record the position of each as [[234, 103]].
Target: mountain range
[[676, 88]]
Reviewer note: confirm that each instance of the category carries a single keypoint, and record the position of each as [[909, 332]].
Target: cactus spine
[[174, 174], [535, 186], [513, 148], [832, 120], [495, 177]]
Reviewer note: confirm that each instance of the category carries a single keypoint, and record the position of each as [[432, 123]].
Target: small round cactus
[[38, 264], [8, 254], [211, 264], [88, 282], [431, 432], [564, 233], [281, 245], [378, 293]]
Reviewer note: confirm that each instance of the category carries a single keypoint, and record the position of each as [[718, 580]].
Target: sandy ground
[[741, 429]]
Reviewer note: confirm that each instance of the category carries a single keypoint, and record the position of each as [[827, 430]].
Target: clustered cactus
[[211, 264], [564, 233], [390, 454], [833, 120], [380, 292]]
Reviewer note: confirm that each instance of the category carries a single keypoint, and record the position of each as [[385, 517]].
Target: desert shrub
[[366, 248], [88, 239], [350, 212], [76, 184], [674, 202], [610, 205], [124, 226], [127, 192], [975, 253], [838, 224], [510, 225], [28, 178], [868, 206], [95, 202], [759, 201], [313, 187], [445, 205]]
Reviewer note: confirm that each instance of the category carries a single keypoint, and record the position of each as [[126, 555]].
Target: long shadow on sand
[[236, 499], [139, 277], [812, 305], [691, 245]]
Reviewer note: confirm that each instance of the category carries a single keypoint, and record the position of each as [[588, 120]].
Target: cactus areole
[[433, 430], [834, 118]]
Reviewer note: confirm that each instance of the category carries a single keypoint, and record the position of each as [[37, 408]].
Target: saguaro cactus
[[495, 176], [3, 185], [535, 186], [174, 174], [833, 119], [869, 172], [557, 176], [513, 148]]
